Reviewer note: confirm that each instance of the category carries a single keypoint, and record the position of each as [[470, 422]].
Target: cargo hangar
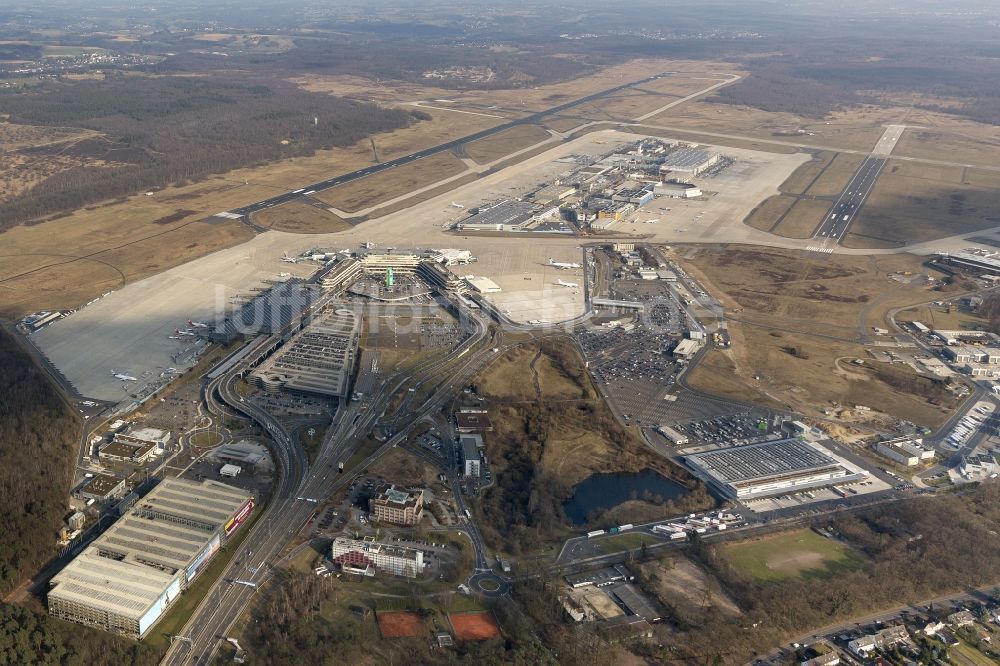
[[127, 579], [771, 468]]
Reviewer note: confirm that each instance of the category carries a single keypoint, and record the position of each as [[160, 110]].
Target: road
[[843, 213], [449, 145], [300, 488]]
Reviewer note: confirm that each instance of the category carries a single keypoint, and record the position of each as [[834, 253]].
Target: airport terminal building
[[125, 580], [771, 468]]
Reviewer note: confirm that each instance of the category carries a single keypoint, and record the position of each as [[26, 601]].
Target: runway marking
[[816, 248]]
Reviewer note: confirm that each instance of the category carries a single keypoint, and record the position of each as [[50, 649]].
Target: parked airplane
[[284, 275], [562, 264], [457, 205], [197, 324], [572, 285], [127, 378], [288, 260], [184, 332]]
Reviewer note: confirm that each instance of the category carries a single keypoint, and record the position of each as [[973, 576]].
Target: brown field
[[912, 205], [803, 218], [972, 146], [794, 316], [475, 626], [682, 582], [803, 177], [563, 123], [769, 212], [298, 217], [422, 196], [833, 181], [14, 136], [380, 187], [403, 468], [401, 624], [509, 141]]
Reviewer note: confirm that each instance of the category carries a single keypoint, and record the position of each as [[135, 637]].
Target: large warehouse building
[[771, 468], [129, 576]]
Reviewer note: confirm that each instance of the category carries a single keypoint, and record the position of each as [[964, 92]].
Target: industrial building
[[771, 468], [676, 190], [317, 359], [102, 487], [366, 557], [130, 575], [140, 436], [688, 161], [136, 454], [471, 445], [617, 573], [981, 263], [508, 215], [676, 438], [905, 451], [397, 506]]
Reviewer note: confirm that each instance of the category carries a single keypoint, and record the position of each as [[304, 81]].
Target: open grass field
[[973, 145], [792, 316], [789, 555], [206, 438], [916, 203], [692, 135], [804, 176], [381, 187], [770, 212], [627, 541], [935, 317], [802, 219], [401, 624], [474, 626], [500, 145], [835, 177], [298, 217], [857, 128]]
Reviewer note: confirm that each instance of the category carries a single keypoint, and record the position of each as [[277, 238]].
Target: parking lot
[[731, 429]]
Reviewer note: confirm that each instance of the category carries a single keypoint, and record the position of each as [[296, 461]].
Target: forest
[[164, 130], [38, 440], [28, 637]]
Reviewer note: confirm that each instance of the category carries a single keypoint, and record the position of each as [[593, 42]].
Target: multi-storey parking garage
[[317, 359]]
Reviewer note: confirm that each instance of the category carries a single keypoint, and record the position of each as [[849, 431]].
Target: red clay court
[[474, 626], [400, 624]]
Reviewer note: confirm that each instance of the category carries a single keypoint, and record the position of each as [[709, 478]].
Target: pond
[[600, 492]]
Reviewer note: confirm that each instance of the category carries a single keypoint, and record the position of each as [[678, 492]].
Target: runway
[[839, 218]]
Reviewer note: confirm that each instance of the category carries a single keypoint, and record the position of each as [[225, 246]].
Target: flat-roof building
[[771, 468], [117, 451], [102, 487], [469, 421], [397, 506], [471, 457], [905, 450], [483, 285], [129, 576], [317, 359], [687, 348], [692, 161], [367, 556]]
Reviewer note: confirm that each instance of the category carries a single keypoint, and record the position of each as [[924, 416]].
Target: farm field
[[789, 555]]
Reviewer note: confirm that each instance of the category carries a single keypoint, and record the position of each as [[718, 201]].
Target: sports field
[[788, 555], [400, 624], [476, 626]]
